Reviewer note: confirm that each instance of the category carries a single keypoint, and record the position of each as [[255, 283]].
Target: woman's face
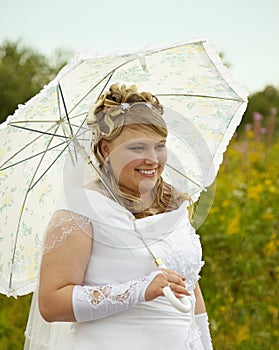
[[137, 159]]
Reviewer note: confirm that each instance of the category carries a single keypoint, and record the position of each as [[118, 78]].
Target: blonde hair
[[141, 111]]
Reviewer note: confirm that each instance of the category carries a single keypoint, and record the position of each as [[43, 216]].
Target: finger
[[174, 273], [179, 295], [171, 272], [173, 276], [176, 280], [178, 290]]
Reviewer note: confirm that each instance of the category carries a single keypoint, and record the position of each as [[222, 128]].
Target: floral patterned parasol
[[203, 107]]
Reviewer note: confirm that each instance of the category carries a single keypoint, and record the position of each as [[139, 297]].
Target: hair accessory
[[149, 105], [125, 106]]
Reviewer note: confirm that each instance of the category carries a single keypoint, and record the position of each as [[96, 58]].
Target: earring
[[106, 166]]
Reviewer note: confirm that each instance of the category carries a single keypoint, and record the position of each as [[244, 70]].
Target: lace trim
[[64, 223], [177, 260], [98, 295]]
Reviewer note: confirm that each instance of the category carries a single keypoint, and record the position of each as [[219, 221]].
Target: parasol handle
[[183, 303]]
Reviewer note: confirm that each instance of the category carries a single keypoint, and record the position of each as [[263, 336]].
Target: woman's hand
[[167, 278]]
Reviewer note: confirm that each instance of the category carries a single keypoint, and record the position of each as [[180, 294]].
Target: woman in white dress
[[99, 287]]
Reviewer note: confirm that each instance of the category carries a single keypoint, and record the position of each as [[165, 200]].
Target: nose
[[151, 157]]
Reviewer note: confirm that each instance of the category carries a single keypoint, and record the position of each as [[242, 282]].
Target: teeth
[[147, 172]]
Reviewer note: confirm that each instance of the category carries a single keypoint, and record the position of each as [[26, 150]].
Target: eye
[[161, 146], [136, 148]]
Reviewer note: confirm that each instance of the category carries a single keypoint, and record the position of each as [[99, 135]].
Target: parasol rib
[[59, 155], [64, 104], [185, 176], [33, 156], [109, 76], [103, 89], [23, 148], [22, 208], [38, 131], [204, 96]]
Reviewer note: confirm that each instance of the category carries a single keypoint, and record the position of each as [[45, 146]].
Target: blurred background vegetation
[[240, 235]]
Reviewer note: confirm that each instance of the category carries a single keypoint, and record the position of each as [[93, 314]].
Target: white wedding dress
[[118, 255]]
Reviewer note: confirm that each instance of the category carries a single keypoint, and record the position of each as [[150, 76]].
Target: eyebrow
[[143, 141]]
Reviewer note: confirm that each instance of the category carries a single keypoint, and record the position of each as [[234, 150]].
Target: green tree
[[23, 73], [263, 101], [266, 103]]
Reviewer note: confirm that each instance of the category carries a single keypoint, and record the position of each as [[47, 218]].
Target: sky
[[246, 32]]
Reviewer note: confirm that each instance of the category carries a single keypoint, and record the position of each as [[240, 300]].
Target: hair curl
[[107, 117], [123, 107]]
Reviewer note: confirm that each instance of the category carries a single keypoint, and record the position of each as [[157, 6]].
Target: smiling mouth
[[151, 172]]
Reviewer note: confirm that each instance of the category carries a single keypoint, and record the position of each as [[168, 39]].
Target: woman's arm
[[202, 319], [200, 305], [67, 250]]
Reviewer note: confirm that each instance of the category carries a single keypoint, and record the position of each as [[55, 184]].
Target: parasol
[[203, 106]]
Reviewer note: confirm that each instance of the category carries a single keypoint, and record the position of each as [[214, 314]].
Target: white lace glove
[[202, 322], [95, 302]]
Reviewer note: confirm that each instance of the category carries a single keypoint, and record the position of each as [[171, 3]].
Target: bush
[[13, 319]]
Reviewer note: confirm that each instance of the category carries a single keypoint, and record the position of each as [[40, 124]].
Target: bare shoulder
[[68, 226], [67, 249]]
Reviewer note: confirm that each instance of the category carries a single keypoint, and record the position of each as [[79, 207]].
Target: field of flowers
[[241, 244]]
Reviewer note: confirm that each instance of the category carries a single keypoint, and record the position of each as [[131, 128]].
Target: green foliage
[[23, 73], [241, 248], [264, 102], [13, 319]]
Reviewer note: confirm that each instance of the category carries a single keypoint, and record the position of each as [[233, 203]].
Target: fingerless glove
[[202, 323], [96, 302]]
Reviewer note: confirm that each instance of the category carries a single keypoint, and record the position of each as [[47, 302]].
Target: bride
[[99, 288]]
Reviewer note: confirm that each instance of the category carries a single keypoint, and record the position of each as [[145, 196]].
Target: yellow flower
[[271, 247], [223, 309], [272, 189], [268, 182], [226, 203], [268, 216], [274, 311], [249, 134], [214, 210], [254, 192], [234, 224], [242, 333]]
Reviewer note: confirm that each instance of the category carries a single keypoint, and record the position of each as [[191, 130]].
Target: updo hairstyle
[[120, 107]]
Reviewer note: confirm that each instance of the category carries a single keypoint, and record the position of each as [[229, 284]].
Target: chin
[[146, 186]]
